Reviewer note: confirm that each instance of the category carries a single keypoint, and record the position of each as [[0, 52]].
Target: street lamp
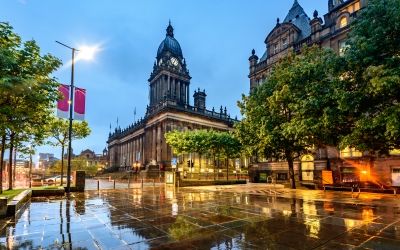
[[88, 54]]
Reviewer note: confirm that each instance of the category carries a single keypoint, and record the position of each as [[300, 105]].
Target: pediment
[[279, 29]]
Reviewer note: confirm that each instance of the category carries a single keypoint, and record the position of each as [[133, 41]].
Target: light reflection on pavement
[[215, 217]]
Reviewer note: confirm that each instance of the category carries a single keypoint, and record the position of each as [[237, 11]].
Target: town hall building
[[142, 143]]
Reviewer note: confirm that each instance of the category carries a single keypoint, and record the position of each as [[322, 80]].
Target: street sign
[[174, 162]]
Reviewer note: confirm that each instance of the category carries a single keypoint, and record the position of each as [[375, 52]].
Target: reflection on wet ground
[[205, 218]]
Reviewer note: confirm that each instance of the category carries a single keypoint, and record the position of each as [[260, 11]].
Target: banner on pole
[[62, 104], [79, 104]]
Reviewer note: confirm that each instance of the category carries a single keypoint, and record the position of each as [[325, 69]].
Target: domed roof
[[170, 44]]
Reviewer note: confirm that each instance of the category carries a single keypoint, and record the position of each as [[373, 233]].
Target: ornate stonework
[[143, 142], [298, 29]]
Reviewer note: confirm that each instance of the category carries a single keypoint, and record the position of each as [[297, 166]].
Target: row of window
[[351, 152], [352, 8]]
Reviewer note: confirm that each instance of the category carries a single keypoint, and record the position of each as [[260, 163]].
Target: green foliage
[[78, 163], [58, 131], [294, 110], [10, 194], [27, 91], [204, 142], [182, 229], [370, 91]]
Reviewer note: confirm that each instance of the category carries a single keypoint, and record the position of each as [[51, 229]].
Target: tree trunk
[[30, 170], [291, 173], [62, 165], [3, 147], [10, 161], [227, 169], [199, 166], [214, 163], [15, 163]]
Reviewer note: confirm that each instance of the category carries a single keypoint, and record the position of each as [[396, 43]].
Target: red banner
[[62, 104], [79, 104]]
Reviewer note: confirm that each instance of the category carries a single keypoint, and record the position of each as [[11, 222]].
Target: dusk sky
[[216, 38]]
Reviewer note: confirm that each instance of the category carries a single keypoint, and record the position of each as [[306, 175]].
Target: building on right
[[339, 167]]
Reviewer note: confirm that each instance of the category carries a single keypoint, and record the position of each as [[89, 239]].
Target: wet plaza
[[232, 217]]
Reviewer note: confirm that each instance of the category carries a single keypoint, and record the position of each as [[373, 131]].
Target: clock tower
[[170, 79]]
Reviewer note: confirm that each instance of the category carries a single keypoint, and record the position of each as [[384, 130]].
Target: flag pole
[[71, 101]]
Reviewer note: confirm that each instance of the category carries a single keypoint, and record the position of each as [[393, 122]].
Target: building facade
[[297, 30], [143, 143], [93, 159], [331, 31]]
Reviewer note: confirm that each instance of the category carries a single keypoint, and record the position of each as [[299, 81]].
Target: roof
[[170, 44], [299, 18]]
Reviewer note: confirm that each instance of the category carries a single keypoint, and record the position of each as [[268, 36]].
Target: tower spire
[[170, 29]]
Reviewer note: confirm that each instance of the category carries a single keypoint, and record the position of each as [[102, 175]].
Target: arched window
[[343, 22]]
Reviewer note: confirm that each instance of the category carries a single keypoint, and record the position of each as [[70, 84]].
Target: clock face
[[160, 62], [174, 61]]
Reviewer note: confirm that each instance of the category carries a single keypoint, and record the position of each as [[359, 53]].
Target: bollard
[[142, 183], [98, 185], [114, 184]]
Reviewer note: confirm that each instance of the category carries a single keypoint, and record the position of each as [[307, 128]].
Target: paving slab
[[213, 217]]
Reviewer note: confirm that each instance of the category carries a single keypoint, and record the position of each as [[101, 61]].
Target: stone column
[[178, 88], [164, 148], [154, 144], [151, 94], [130, 152], [187, 94], [159, 143], [169, 86], [119, 154], [142, 146], [174, 88]]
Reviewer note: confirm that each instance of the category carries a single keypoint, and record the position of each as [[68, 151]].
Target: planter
[[48, 192], [3, 207], [18, 202], [188, 183]]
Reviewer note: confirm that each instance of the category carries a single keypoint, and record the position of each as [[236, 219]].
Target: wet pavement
[[231, 217]]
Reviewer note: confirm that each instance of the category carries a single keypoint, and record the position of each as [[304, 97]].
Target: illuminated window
[[349, 9], [394, 152], [343, 22], [350, 152], [357, 6]]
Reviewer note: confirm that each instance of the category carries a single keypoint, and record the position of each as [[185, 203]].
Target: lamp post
[[71, 101], [87, 53]]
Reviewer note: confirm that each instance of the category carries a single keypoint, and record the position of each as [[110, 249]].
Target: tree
[[295, 110], [58, 130], [77, 163], [28, 91], [204, 142], [370, 90]]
